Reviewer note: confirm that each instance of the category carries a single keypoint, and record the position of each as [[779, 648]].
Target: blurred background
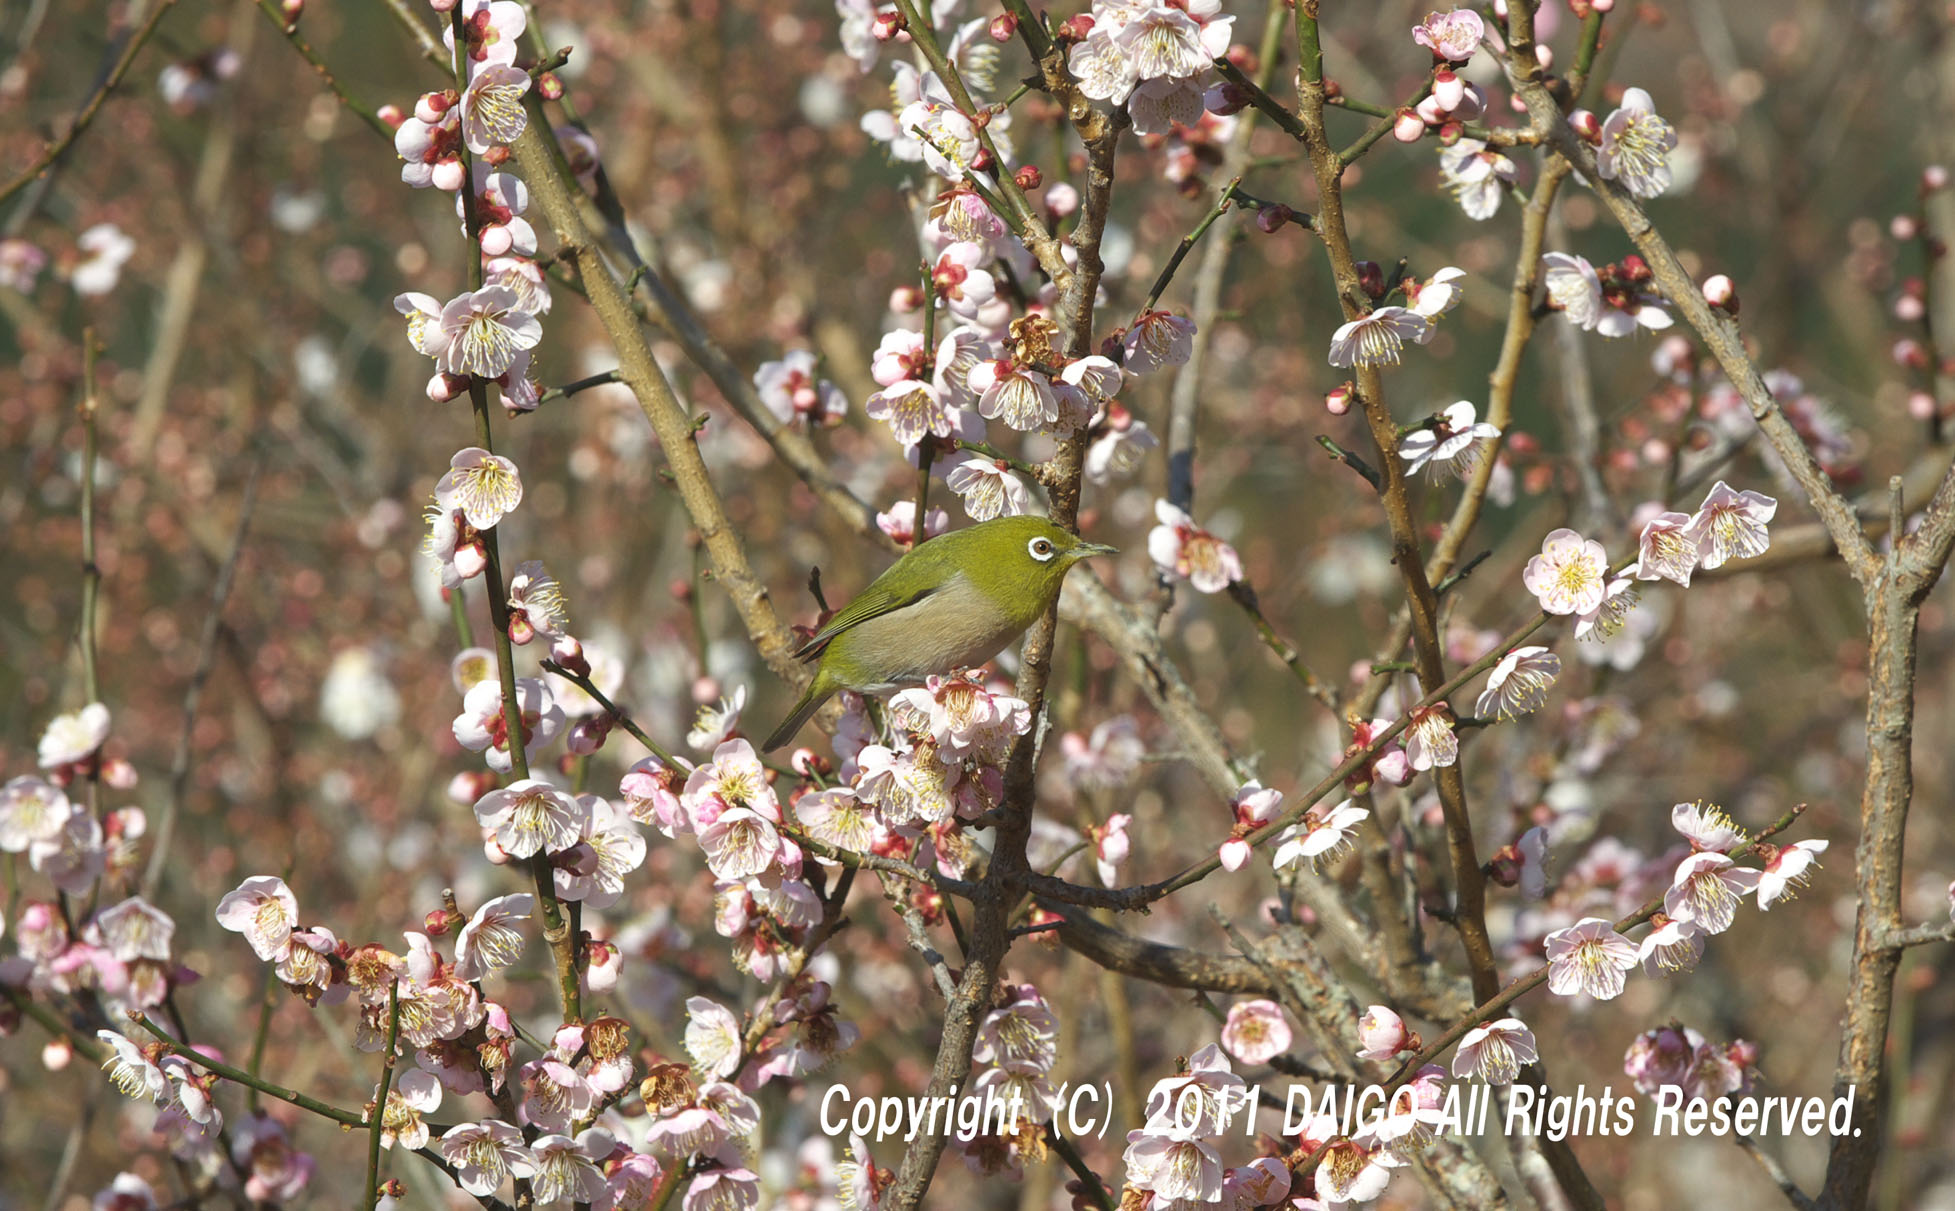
[[249, 330]]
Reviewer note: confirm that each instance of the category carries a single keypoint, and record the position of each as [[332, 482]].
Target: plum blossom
[[712, 1038], [31, 809], [1731, 525], [483, 487], [1320, 836], [1256, 1031], [489, 942], [479, 332], [1155, 56], [899, 522], [1449, 445], [1120, 448], [131, 1070], [1636, 145], [568, 1168], [21, 263], [1789, 869], [1606, 620], [959, 280], [1106, 759], [1378, 339], [1667, 549], [1253, 806], [1477, 176], [1430, 741], [1438, 294], [961, 716], [74, 737], [537, 599], [429, 144], [1183, 550], [1157, 339], [492, 106], [136, 929], [75, 856], [1706, 827], [264, 910], [1569, 576], [278, 1171], [1706, 889], [1451, 36], [485, 1154], [1495, 1051], [1352, 1173], [107, 249], [1574, 288], [529, 816], [1382, 1034], [608, 850], [1519, 684], [491, 28], [1015, 394], [790, 389], [414, 1094], [501, 199], [713, 724], [1670, 946], [989, 488], [1589, 957], [482, 727]]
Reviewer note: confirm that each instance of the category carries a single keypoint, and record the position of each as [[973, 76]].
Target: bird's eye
[[1041, 549]]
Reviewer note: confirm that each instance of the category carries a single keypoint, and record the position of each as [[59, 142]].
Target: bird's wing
[[872, 602]]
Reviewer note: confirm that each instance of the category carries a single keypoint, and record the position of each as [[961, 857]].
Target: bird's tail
[[819, 691]]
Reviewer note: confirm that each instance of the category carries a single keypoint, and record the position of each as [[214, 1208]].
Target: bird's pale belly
[[953, 628]]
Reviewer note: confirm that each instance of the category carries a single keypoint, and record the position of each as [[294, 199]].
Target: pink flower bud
[[1003, 26], [1602, 6], [1451, 133], [1371, 279], [447, 175], [1587, 125], [1504, 867], [494, 852], [1234, 854], [1061, 200], [496, 156], [119, 774], [1383, 1034], [1909, 308], [983, 161], [440, 921], [549, 86], [1933, 177], [1338, 402], [495, 240], [1544, 55], [588, 735], [887, 26], [442, 6], [569, 653], [1921, 406], [470, 561], [57, 1054], [705, 690], [1903, 227], [1027, 176], [444, 387], [521, 631], [468, 786], [1449, 90], [1076, 28], [292, 10], [1721, 293], [391, 115], [906, 298], [430, 106], [1908, 353]]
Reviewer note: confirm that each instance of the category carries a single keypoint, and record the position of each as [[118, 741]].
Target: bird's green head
[[1024, 558]]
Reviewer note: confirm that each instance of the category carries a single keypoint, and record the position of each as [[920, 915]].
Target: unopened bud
[[1448, 89], [906, 298], [1338, 402], [1908, 353], [1272, 218], [1903, 227], [440, 921], [1003, 27], [1921, 406], [1721, 293], [1451, 133], [1227, 98], [1635, 269], [1933, 177], [1504, 867], [1028, 176], [588, 735], [1587, 125], [705, 689], [1602, 6], [887, 26], [447, 175], [681, 589], [496, 156], [1371, 279], [1076, 28], [444, 387], [1544, 55], [469, 785], [1061, 200], [470, 561], [521, 630], [569, 653], [807, 762], [549, 86], [391, 115], [430, 106], [1408, 127], [983, 161], [119, 774], [293, 10], [57, 1054], [442, 6]]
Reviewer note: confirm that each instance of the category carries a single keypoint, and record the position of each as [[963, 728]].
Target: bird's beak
[[1087, 550]]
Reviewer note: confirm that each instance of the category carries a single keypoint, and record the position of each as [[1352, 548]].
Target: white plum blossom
[[130, 1069], [1667, 549], [989, 488], [414, 1094], [1157, 339], [1731, 525], [486, 1153], [74, 737], [1707, 827], [1018, 395], [1589, 957], [712, 1038], [608, 850], [568, 1168], [1438, 294], [1256, 1031], [1574, 288], [1570, 575], [479, 332], [1120, 449], [489, 942], [1452, 36], [1706, 889], [492, 107], [1430, 741], [31, 809], [1157, 57], [1519, 684], [790, 389], [1670, 946], [483, 487], [1449, 445], [1789, 869], [1183, 550], [1495, 1051], [529, 816], [1320, 836], [1378, 339], [482, 727], [1636, 145], [106, 250], [264, 910], [1477, 176]]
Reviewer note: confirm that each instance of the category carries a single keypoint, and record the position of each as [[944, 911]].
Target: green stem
[[378, 1126], [91, 575]]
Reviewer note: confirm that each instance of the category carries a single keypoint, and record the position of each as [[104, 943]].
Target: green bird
[[952, 602]]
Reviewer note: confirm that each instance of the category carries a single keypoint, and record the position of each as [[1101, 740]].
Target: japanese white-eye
[[952, 602]]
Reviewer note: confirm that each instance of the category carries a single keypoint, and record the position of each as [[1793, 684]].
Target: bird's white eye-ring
[[1041, 549]]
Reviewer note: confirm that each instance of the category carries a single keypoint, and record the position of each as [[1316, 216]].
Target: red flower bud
[[1003, 26], [1027, 176]]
